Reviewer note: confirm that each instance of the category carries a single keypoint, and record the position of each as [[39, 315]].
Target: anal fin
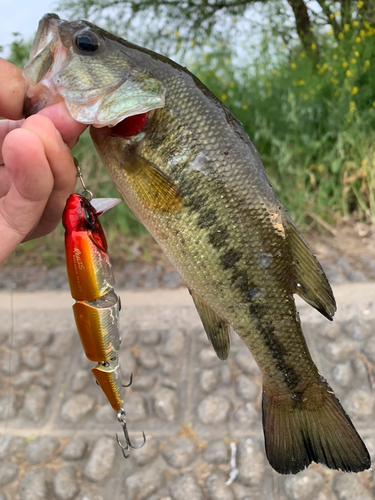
[[311, 283], [217, 329]]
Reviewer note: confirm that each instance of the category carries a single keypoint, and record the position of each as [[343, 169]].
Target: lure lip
[[101, 205]]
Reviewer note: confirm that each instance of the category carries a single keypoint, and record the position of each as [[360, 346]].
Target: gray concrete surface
[[57, 432]]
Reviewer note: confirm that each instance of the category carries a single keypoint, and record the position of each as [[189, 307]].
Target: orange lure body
[[91, 281]]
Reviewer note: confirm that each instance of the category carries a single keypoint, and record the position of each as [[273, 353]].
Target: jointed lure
[[97, 307]]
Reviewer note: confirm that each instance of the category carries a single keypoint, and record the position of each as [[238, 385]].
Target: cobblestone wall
[[57, 432]]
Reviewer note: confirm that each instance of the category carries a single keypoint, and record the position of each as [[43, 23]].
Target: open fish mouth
[[47, 58], [76, 63]]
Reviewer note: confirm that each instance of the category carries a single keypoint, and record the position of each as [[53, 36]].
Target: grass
[[312, 122]]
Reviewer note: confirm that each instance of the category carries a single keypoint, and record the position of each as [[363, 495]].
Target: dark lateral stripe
[[278, 353], [230, 258]]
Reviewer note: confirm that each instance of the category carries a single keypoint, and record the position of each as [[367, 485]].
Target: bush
[[312, 121]]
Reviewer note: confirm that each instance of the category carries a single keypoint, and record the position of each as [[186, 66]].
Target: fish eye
[[87, 41]]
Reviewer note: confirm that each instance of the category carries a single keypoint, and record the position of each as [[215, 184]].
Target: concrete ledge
[[353, 294]]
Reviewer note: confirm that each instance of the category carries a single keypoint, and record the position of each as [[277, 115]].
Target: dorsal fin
[[217, 329], [311, 283]]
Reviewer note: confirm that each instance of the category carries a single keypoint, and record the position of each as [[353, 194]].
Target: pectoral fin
[[311, 283], [217, 329], [152, 187]]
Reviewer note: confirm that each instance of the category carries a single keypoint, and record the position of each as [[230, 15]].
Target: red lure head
[[79, 215]]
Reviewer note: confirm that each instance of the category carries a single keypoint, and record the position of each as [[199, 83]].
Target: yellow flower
[[330, 31], [355, 23], [223, 97], [341, 36], [336, 93], [357, 39], [349, 73], [232, 85], [356, 53], [337, 13], [177, 34], [353, 61], [344, 64], [312, 91], [362, 33], [245, 106], [293, 65], [367, 64], [373, 104], [331, 16], [334, 56], [360, 5], [334, 81], [301, 82], [354, 90], [346, 27], [302, 54], [313, 46], [352, 107]]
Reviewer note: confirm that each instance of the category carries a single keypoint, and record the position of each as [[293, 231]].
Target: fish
[[187, 169], [97, 306]]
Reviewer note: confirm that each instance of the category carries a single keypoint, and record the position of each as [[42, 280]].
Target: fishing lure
[[97, 306]]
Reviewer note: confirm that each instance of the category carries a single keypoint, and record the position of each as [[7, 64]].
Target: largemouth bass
[[189, 172]]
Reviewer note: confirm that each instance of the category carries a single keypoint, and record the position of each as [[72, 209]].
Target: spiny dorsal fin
[[311, 283], [217, 329]]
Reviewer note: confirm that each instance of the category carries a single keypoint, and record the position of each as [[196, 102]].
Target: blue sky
[[21, 16]]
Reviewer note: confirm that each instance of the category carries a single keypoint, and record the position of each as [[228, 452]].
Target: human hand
[[37, 171]]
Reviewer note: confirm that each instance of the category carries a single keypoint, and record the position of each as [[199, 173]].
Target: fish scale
[[194, 179]]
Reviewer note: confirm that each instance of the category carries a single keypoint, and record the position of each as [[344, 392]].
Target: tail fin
[[299, 430]]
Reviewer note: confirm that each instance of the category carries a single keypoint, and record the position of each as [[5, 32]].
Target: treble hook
[[130, 382], [121, 417]]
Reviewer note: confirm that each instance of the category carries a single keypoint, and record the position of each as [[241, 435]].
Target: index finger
[[12, 91]]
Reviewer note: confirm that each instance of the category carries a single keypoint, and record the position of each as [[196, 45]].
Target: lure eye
[[87, 42], [89, 217]]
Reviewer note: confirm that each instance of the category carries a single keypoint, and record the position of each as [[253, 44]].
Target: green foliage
[[19, 50], [313, 123]]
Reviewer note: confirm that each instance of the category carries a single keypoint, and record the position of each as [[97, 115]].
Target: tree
[[154, 21]]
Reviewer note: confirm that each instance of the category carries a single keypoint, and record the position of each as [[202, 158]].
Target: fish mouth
[[101, 86], [47, 57]]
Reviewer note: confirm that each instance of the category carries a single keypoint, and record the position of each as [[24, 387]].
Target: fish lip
[[44, 29], [42, 58]]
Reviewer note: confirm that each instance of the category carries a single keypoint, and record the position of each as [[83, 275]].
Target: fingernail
[[62, 144]]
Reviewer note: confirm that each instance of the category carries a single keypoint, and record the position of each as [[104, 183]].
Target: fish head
[[80, 216], [88, 68]]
